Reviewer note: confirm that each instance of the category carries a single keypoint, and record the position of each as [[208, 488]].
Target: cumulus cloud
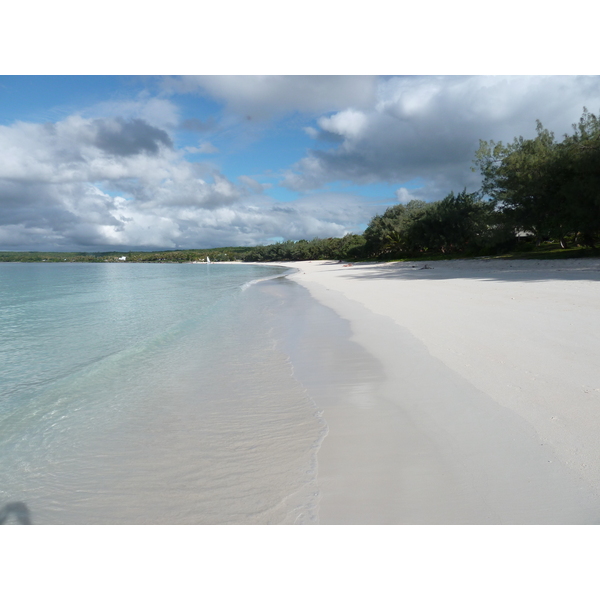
[[203, 148], [124, 138], [85, 150], [159, 112], [404, 196], [123, 224], [253, 185], [260, 220], [100, 183], [348, 124], [261, 96], [429, 128]]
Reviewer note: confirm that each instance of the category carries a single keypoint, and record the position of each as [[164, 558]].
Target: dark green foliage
[[350, 247], [390, 233], [460, 223], [580, 185], [523, 182], [549, 188], [456, 224], [49, 257]]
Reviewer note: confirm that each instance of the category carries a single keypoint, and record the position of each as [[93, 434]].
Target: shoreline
[[487, 405]]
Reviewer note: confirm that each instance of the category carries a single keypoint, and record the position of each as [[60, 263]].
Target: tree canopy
[[549, 188]]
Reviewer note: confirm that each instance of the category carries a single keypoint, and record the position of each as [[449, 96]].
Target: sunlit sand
[[488, 403]]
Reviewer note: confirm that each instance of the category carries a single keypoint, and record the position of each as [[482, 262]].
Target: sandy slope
[[489, 409]]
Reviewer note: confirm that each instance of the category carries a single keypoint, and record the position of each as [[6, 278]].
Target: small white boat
[[208, 260]]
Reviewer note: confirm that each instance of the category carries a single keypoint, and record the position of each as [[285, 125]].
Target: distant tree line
[[164, 256], [351, 246]]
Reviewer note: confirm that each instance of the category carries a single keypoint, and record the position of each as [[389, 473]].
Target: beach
[[450, 392], [481, 400]]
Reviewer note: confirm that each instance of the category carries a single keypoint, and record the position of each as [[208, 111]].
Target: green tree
[[547, 187], [390, 233], [579, 165], [521, 181]]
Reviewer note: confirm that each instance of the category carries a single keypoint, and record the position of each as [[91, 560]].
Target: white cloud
[[100, 183], [203, 148], [56, 182], [253, 185], [349, 124], [403, 196], [429, 128], [159, 112], [264, 96]]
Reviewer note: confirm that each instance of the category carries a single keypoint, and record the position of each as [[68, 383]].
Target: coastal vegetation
[[168, 256], [548, 188], [539, 197]]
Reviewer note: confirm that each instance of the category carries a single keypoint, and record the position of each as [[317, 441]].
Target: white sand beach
[[488, 407]]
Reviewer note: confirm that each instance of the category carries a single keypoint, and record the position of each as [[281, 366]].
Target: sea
[[157, 394]]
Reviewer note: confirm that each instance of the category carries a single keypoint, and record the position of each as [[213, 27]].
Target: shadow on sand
[[18, 511], [574, 269]]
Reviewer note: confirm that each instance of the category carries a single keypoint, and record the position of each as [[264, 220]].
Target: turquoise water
[[135, 393]]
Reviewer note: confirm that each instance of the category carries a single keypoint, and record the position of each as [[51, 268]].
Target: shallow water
[[152, 394]]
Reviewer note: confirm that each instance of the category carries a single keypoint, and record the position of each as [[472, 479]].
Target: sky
[[93, 163]]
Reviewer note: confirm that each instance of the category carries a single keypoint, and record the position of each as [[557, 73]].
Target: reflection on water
[[180, 408]]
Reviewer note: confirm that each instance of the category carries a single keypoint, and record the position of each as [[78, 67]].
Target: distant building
[[122, 258]]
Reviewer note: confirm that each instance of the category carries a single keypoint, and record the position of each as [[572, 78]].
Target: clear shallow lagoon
[[134, 393]]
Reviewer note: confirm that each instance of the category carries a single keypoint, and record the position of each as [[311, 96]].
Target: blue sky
[[123, 162]]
